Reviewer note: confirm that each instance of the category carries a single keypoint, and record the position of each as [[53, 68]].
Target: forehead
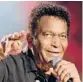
[[53, 24]]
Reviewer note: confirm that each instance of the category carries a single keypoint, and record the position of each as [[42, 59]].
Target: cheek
[[44, 44], [64, 48], [65, 45]]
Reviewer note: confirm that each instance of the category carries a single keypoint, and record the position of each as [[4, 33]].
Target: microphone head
[[55, 61]]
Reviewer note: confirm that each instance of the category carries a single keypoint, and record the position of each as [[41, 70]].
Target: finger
[[15, 36], [60, 64], [3, 39], [8, 47], [6, 37], [1, 47], [67, 77], [3, 43], [22, 35], [16, 45], [1, 50], [51, 71], [64, 72], [22, 32], [62, 68]]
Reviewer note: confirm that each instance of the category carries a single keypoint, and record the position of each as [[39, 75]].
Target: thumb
[[51, 71]]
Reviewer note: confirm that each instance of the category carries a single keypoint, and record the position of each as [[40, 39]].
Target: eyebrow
[[54, 33], [64, 33]]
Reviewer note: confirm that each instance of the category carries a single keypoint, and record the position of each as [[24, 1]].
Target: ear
[[35, 46], [35, 41]]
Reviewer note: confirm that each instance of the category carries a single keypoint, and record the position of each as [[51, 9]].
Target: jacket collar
[[29, 61]]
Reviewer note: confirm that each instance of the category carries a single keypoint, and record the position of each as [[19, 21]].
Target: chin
[[49, 59]]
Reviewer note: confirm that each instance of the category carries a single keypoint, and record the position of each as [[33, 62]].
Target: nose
[[56, 42]]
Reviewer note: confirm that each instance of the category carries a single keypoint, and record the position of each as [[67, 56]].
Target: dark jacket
[[21, 68]]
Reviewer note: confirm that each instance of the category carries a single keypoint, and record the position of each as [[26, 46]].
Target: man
[[49, 27]]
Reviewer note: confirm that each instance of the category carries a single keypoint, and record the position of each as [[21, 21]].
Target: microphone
[[55, 61]]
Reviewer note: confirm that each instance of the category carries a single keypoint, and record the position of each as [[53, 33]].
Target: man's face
[[52, 38]]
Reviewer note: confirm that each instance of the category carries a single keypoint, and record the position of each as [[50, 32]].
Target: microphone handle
[[55, 61], [70, 80]]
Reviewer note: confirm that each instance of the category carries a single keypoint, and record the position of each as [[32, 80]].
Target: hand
[[12, 43], [65, 70], [1, 52]]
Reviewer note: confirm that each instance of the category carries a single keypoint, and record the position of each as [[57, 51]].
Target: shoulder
[[18, 60], [21, 60], [12, 61]]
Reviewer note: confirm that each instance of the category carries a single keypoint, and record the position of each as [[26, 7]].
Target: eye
[[63, 36], [47, 34]]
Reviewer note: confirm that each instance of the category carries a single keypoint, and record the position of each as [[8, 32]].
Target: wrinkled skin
[[52, 41], [12, 44]]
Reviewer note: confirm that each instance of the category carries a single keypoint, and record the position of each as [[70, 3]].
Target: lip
[[56, 52]]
